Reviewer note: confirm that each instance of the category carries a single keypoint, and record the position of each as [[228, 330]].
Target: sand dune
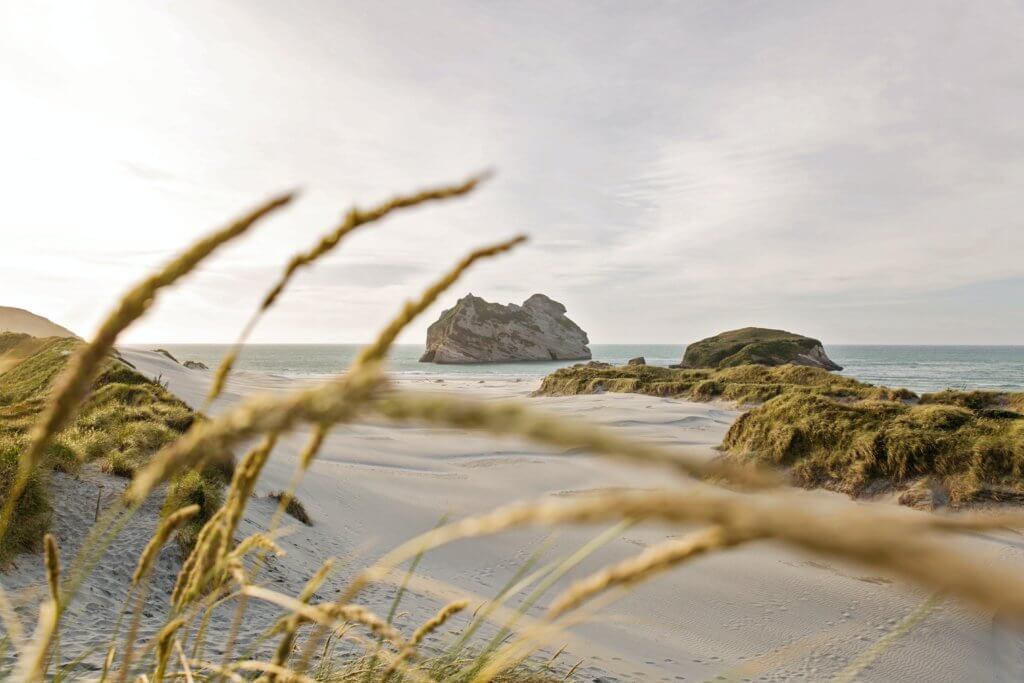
[[760, 613], [20, 320]]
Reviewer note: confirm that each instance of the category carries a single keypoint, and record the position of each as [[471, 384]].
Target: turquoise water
[[319, 359], [920, 368], [932, 368]]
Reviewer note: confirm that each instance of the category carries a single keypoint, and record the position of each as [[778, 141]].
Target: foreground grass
[[125, 419]]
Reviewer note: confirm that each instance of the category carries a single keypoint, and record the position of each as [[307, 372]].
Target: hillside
[[24, 322], [125, 420]]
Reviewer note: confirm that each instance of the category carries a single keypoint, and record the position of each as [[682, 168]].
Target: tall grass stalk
[[557, 574]]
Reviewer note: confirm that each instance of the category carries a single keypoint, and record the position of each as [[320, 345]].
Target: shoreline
[[919, 368]]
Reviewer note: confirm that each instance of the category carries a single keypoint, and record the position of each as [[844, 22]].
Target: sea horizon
[[919, 367]]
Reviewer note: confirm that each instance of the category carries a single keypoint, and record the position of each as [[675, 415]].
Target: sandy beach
[[759, 613]]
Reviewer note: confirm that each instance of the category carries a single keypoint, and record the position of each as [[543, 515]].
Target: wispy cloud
[[682, 168]]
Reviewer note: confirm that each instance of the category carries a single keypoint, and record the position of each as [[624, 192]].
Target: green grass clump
[[744, 384], [11, 340], [837, 432], [205, 489], [126, 418], [63, 455], [978, 400], [15, 346], [31, 377], [34, 508], [294, 508], [848, 446]]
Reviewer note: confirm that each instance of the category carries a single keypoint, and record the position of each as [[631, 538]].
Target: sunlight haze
[[851, 170]]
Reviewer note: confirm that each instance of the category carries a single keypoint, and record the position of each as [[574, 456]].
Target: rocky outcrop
[[477, 331], [639, 360], [758, 346]]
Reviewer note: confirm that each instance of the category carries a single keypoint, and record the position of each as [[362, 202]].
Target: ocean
[[919, 368]]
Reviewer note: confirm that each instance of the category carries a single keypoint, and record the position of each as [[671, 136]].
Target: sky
[[853, 171]]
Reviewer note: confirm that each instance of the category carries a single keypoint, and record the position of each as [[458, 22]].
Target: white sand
[[762, 612]]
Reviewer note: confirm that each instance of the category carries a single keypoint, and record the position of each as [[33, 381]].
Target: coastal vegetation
[[966, 447], [56, 391], [293, 507], [126, 418], [836, 432], [744, 384]]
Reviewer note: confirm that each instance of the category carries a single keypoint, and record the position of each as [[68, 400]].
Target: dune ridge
[[25, 322]]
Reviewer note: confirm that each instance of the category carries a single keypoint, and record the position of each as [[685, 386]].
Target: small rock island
[[477, 331], [758, 346]]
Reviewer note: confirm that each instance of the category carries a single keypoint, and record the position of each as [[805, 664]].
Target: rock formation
[[476, 331], [758, 346]]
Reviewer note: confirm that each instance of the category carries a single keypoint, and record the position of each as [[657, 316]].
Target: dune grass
[[971, 444], [744, 384], [94, 406], [124, 420], [293, 507], [836, 432], [15, 347]]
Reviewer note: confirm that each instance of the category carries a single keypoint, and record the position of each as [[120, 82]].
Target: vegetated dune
[[25, 322], [125, 420], [968, 446], [836, 432], [16, 347], [742, 384]]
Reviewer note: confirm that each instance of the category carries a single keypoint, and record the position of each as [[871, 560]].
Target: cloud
[[681, 168]]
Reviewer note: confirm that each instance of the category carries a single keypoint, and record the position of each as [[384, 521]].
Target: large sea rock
[[477, 331], [758, 346]]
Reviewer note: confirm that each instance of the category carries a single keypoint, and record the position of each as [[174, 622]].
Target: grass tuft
[[294, 507], [744, 384], [123, 421], [971, 453]]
